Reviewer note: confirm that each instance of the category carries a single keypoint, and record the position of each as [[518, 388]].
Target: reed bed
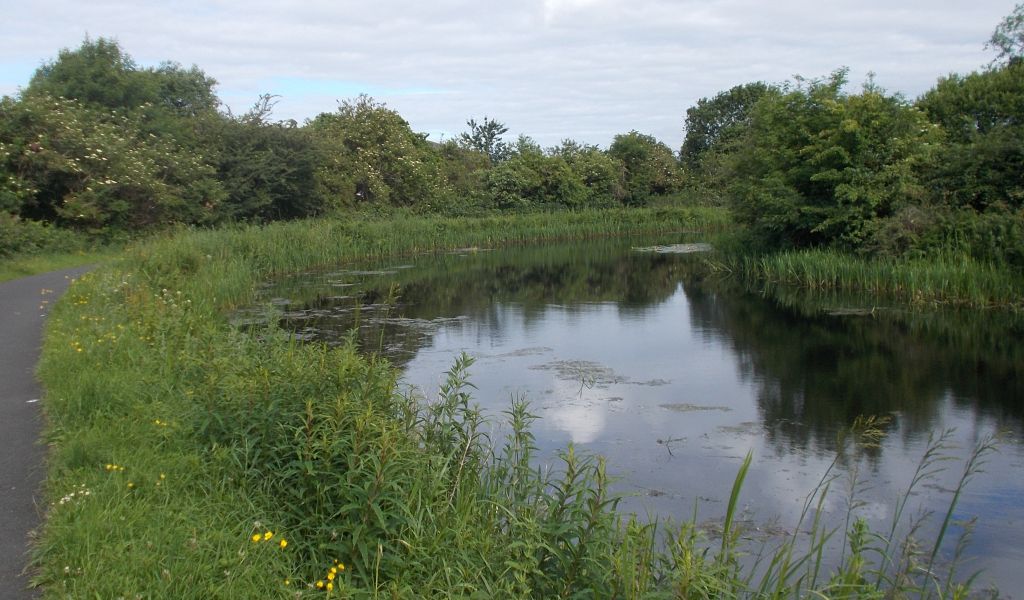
[[942, 280], [193, 460]]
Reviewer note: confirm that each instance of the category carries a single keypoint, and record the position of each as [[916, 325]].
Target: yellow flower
[[287, 581], [255, 537], [268, 535], [330, 586], [320, 584], [334, 570], [330, 576], [283, 543]]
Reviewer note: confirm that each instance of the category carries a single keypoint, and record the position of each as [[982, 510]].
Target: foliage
[[820, 166], [98, 73], [94, 169], [650, 167], [530, 179], [602, 175], [981, 165], [267, 168], [464, 171], [1008, 37], [371, 155], [485, 138], [20, 236], [713, 123]]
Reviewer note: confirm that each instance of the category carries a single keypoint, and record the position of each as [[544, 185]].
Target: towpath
[[24, 304]]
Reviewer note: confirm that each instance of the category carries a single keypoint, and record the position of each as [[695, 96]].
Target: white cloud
[[585, 69]]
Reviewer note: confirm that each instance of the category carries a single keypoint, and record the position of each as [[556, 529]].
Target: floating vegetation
[[685, 407], [592, 374], [535, 351], [744, 428], [676, 248], [851, 312]]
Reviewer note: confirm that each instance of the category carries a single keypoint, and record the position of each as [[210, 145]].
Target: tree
[[819, 166], [1008, 38], [716, 121], [602, 175], [267, 168], [485, 137], [95, 169], [530, 178], [650, 167], [100, 73], [370, 154], [981, 163], [97, 73]]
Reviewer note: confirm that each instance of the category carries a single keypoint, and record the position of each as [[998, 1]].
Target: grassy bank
[[192, 460], [13, 267]]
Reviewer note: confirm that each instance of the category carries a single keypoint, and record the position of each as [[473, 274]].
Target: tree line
[[97, 143]]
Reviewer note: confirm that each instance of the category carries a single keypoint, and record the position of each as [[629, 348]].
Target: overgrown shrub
[[21, 236]]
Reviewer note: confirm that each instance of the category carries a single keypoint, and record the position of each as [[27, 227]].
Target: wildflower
[[256, 538], [268, 535], [287, 581], [131, 485], [330, 586], [330, 576], [283, 543], [320, 584]]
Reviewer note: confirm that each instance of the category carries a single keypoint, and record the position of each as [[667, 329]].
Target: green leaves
[[650, 167], [819, 166]]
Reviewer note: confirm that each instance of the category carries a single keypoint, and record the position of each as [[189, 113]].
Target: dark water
[[632, 355]]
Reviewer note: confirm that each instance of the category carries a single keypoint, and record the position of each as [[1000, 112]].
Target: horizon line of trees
[[98, 144]]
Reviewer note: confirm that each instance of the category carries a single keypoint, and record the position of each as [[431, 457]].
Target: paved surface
[[23, 307]]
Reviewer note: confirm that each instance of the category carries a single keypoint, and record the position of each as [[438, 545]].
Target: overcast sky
[[551, 69]]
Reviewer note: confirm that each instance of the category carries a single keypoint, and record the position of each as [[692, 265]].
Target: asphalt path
[[24, 304]]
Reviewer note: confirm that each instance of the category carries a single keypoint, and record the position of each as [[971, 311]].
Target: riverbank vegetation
[[191, 459], [194, 459], [98, 145]]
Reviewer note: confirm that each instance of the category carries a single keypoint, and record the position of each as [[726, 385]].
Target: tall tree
[[1008, 38], [982, 162], [715, 121], [485, 137]]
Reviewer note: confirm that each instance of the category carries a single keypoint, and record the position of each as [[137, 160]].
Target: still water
[[631, 354]]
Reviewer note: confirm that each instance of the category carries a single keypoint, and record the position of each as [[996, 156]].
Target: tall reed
[[940, 280]]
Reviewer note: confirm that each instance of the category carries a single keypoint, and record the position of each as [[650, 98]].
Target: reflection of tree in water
[[816, 372], [481, 286]]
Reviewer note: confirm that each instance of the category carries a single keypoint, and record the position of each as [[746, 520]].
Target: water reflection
[[674, 378]]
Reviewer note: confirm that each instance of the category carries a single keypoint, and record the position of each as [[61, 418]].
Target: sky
[[551, 69]]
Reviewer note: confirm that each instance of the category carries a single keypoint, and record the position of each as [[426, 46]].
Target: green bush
[[20, 236]]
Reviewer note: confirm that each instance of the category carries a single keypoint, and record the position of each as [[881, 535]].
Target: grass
[[941, 280], [13, 267], [185, 451]]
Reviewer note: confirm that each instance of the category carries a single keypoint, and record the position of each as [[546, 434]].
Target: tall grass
[[940, 280], [192, 460]]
